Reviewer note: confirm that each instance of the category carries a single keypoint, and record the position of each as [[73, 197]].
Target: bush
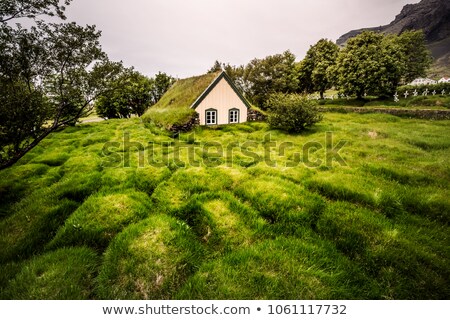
[[292, 112]]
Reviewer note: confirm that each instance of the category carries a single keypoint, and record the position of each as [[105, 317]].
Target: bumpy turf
[[121, 210]]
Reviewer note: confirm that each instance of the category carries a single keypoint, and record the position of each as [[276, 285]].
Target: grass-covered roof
[[174, 106]]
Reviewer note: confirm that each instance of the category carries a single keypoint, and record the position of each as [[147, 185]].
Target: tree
[[292, 112], [277, 73], [217, 67], [49, 75], [370, 63], [133, 96], [162, 83], [417, 57], [12, 9], [315, 69]]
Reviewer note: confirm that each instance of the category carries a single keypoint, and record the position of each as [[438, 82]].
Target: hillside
[[431, 16]]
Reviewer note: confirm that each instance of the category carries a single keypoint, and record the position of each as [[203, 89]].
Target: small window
[[211, 117], [234, 116]]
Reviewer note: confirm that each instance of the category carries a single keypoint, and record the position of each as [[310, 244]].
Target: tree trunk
[[21, 153], [321, 95]]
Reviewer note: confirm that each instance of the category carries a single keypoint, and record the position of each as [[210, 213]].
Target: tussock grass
[[63, 274], [279, 200], [32, 224], [171, 195], [283, 268], [100, 218], [221, 221], [376, 227], [149, 260]]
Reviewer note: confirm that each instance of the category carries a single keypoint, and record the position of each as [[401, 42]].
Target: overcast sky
[[185, 37]]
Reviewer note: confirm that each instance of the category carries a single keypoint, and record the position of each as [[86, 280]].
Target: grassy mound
[[171, 195], [62, 274], [221, 221], [282, 201], [284, 268], [149, 260], [386, 252], [100, 218]]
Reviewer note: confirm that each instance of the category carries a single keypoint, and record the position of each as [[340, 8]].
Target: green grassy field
[[234, 212]]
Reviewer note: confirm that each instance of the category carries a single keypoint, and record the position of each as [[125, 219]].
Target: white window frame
[[233, 115], [210, 117]]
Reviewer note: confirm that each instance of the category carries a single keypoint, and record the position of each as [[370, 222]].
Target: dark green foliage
[[292, 112], [272, 74], [417, 58], [316, 68], [32, 8], [369, 64], [49, 75], [375, 64], [135, 94]]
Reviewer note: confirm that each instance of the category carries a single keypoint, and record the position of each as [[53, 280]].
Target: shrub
[[292, 112]]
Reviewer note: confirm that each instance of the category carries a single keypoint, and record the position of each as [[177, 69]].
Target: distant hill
[[431, 16]]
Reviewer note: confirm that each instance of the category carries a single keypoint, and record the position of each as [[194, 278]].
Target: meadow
[[357, 207]]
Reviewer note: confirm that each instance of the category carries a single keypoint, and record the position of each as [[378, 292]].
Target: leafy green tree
[[133, 96], [417, 57], [315, 69], [49, 74], [217, 67], [370, 63], [162, 83], [292, 112], [12, 9], [263, 77]]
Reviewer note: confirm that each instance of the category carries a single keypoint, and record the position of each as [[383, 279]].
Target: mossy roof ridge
[[185, 92]]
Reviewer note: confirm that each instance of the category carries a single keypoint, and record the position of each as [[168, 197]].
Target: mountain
[[431, 16]]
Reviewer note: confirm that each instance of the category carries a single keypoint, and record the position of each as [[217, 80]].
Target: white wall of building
[[222, 98]]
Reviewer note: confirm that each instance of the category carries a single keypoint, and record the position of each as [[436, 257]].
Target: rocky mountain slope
[[431, 16]]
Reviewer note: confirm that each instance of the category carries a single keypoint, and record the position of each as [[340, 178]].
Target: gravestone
[[396, 97], [406, 94], [415, 93]]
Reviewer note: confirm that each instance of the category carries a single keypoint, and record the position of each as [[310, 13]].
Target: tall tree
[[12, 9], [134, 94], [162, 83], [49, 75], [217, 66], [417, 57], [370, 63], [315, 69], [276, 73]]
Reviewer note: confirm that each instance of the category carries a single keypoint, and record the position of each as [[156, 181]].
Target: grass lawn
[[358, 207]]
